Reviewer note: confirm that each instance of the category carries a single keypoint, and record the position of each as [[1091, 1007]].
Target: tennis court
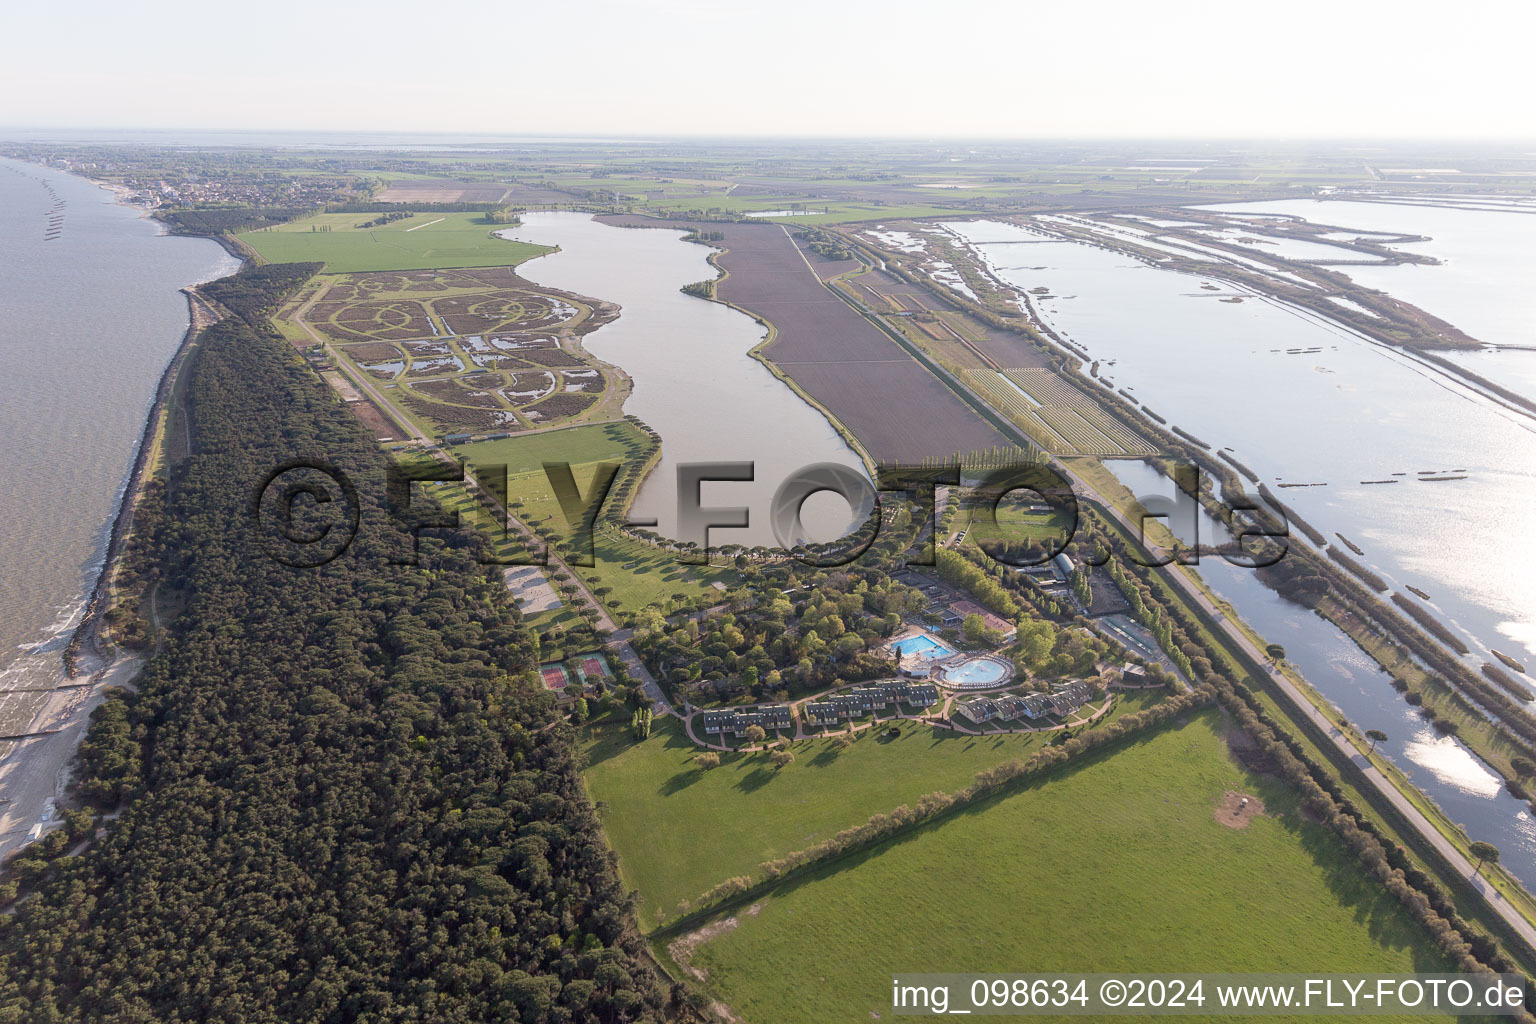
[[592, 667]]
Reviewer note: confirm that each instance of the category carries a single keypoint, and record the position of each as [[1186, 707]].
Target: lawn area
[[617, 442], [633, 574], [423, 241], [679, 830], [1115, 864]]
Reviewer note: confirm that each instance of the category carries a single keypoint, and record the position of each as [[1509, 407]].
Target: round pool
[[976, 673]]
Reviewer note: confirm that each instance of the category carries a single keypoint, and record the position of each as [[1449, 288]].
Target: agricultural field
[[1060, 416], [896, 408], [463, 351], [1000, 366], [935, 253], [954, 337], [425, 189], [423, 241], [662, 813], [686, 197], [628, 575], [1117, 862], [819, 213]]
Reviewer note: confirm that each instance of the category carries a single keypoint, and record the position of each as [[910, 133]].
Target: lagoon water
[[1488, 258], [91, 317], [1482, 284], [1304, 401], [1467, 790], [694, 382]]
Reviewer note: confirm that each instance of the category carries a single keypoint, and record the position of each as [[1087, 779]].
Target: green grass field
[[619, 441], [634, 574], [425, 241], [1116, 863], [664, 816]]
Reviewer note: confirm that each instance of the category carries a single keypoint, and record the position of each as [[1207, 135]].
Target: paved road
[[618, 640], [1415, 818], [619, 644]]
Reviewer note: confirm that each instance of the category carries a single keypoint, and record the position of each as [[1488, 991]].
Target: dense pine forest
[[219, 221], [343, 795]]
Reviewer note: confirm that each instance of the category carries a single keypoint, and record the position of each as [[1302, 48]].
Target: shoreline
[[756, 352], [1316, 690], [87, 633], [753, 353], [39, 770]]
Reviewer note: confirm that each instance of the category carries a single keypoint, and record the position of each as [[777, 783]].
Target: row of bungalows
[[1010, 707], [736, 721], [862, 700]]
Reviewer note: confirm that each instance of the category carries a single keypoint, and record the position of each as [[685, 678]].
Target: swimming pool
[[977, 673], [922, 645]]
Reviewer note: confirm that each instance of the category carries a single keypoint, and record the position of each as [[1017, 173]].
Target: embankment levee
[[1226, 475]]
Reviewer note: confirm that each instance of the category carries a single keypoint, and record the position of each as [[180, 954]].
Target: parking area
[[532, 590]]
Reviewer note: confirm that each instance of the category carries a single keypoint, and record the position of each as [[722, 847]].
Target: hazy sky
[[829, 67]]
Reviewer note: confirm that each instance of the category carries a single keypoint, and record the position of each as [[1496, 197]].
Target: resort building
[[914, 667], [863, 700], [821, 712], [994, 623], [918, 695], [1011, 707], [873, 696], [736, 721], [878, 696], [1036, 705], [1067, 699], [977, 709], [713, 723], [839, 707]]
